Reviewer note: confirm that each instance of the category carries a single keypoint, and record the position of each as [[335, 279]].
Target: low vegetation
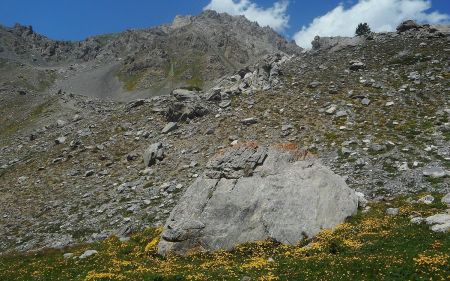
[[369, 246], [130, 81]]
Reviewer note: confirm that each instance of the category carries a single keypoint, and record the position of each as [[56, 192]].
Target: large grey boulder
[[251, 193]]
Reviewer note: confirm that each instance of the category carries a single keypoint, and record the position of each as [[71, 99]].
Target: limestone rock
[[439, 222], [434, 172], [445, 227], [183, 94], [356, 65], [152, 153], [362, 201], [438, 219], [428, 199], [446, 199], [392, 211], [249, 121], [251, 193], [60, 140], [171, 126], [88, 253]]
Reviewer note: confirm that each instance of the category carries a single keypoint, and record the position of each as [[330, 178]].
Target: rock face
[[252, 193], [407, 25], [334, 44]]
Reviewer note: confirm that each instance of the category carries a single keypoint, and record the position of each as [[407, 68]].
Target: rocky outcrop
[[250, 193], [334, 44], [408, 25], [264, 75]]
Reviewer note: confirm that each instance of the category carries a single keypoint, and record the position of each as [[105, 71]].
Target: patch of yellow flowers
[[98, 276]]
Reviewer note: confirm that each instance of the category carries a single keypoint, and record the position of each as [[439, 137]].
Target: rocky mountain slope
[[192, 51], [72, 167]]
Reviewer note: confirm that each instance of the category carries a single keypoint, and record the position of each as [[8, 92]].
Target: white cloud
[[275, 16], [381, 15]]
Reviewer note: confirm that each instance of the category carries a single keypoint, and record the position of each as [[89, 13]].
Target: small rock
[[171, 126], [403, 167], [60, 123], [392, 211], [331, 109], [124, 239], [152, 153], [88, 253], [314, 84], [365, 101], [287, 127], [446, 199], [60, 140], [438, 219], [362, 201], [68, 255], [445, 227], [22, 179], [89, 173], [132, 157], [183, 94], [225, 103], [249, 121], [417, 220], [356, 65], [76, 118], [135, 103], [346, 151], [428, 199], [377, 147], [360, 162], [214, 95], [434, 172], [341, 113]]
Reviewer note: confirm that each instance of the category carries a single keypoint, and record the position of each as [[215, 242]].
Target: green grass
[[177, 68], [175, 72], [17, 125], [369, 246], [447, 135], [130, 81]]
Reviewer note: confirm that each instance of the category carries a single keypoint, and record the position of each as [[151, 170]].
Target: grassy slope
[[370, 246]]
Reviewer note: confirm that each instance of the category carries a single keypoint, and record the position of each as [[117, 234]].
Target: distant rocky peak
[[181, 21], [22, 30]]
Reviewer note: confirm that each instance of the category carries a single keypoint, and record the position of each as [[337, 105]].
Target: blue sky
[[78, 19]]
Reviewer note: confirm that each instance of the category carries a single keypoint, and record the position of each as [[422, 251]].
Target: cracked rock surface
[[280, 196]]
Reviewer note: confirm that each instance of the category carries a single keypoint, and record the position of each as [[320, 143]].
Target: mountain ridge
[[192, 51]]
